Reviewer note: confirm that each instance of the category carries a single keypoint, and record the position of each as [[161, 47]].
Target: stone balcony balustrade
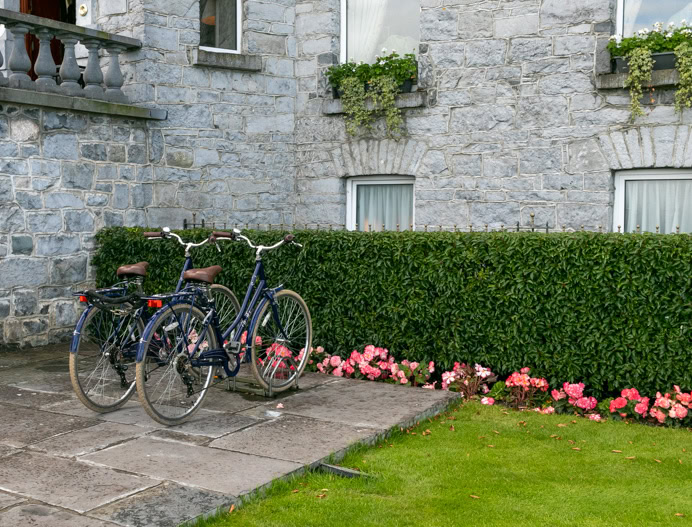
[[66, 79]]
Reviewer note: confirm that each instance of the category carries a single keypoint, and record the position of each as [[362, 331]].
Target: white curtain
[[663, 203], [383, 207], [639, 14], [364, 23]]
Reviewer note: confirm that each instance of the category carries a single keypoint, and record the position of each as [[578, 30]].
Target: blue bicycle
[[183, 346], [106, 338]]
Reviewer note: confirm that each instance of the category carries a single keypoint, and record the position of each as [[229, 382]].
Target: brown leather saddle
[[138, 269], [206, 274]]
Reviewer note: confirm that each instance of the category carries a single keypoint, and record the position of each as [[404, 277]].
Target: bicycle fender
[[148, 329], [78, 329]]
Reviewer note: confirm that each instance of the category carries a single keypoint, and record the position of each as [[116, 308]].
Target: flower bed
[[519, 390]]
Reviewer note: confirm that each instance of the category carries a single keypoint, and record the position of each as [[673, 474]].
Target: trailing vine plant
[[384, 90], [683, 95], [641, 65], [354, 103]]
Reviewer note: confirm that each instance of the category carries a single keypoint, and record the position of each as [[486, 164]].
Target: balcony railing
[[68, 79]]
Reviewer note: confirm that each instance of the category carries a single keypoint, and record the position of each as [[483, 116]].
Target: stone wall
[[226, 153], [514, 123]]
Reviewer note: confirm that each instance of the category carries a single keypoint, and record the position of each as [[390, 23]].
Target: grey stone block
[[121, 197], [438, 24], [78, 175], [530, 49], [78, 221], [574, 215], [23, 271], [542, 112], [25, 303], [494, 214], [93, 151], [22, 245], [14, 167], [475, 24], [62, 120], [566, 83], [24, 130], [116, 153], [516, 25], [44, 221], [558, 13], [29, 200], [57, 244], [540, 160], [481, 118], [485, 53], [60, 146], [265, 44]]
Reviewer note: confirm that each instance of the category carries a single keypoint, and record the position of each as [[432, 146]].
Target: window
[[377, 203], [653, 198], [220, 25], [634, 15], [367, 26]]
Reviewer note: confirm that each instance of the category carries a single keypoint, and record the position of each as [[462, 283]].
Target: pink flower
[[338, 372], [369, 353], [356, 357], [488, 400], [482, 372], [658, 415], [403, 380], [401, 374], [430, 386], [541, 384], [576, 391], [684, 398], [349, 369], [586, 403], [448, 377], [320, 349], [618, 403], [549, 410], [431, 367], [383, 365], [404, 362], [485, 389], [557, 395], [384, 353], [631, 394], [677, 388], [595, 417], [662, 401], [413, 365], [678, 411], [394, 369], [642, 407], [320, 367], [335, 361], [525, 370], [325, 362]]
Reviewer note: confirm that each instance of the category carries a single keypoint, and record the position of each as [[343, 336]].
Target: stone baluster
[[19, 63], [3, 80], [45, 65], [114, 77], [69, 69], [93, 76]]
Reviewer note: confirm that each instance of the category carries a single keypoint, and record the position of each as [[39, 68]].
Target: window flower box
[[662, 61]]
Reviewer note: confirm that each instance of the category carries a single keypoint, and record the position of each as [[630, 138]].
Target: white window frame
[[622, 177], [239, 31], [344, 31], [352, 195], [620, 19]]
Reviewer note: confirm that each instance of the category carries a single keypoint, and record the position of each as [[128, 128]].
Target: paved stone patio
[[64, 465]]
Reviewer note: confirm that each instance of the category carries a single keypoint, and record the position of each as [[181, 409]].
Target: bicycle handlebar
[[236, 235], [166, 233], [153, 234]]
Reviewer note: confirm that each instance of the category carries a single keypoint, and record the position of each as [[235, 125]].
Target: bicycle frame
[[256, 296]]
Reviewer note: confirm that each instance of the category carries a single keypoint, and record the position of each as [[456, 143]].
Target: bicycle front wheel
[[102, 367], [170, 386], [227, 306], [281, 341]]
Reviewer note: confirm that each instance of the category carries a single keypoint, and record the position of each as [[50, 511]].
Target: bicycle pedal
[[232, 346]]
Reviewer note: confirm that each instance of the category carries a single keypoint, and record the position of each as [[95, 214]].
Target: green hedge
[[610, 310]]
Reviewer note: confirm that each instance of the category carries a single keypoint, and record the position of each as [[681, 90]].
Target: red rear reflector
[[83, 299], [155, 303]]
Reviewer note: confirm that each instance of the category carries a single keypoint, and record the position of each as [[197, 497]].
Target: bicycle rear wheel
[[281, 341], [169, 387], [102, 367]]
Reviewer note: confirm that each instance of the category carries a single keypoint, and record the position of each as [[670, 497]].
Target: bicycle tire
[[105, 386], [164, 348], [227, 305], [274, 375]]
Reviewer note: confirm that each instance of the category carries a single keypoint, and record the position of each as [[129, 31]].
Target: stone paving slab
[[16, 358], [67, 483], [357, 403], [163, 506], [45, 376], [31, 398], [167, 434], [294, 438], [89, 440], [7, 499], [197, 466], [39, 515], [7, 450], [23, 426]]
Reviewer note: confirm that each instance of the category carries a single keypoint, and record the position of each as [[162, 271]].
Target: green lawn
[[496, 467]]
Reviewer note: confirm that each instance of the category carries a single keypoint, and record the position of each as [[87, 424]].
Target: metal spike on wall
[[619, 227], [677, 229], [657, 229]]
